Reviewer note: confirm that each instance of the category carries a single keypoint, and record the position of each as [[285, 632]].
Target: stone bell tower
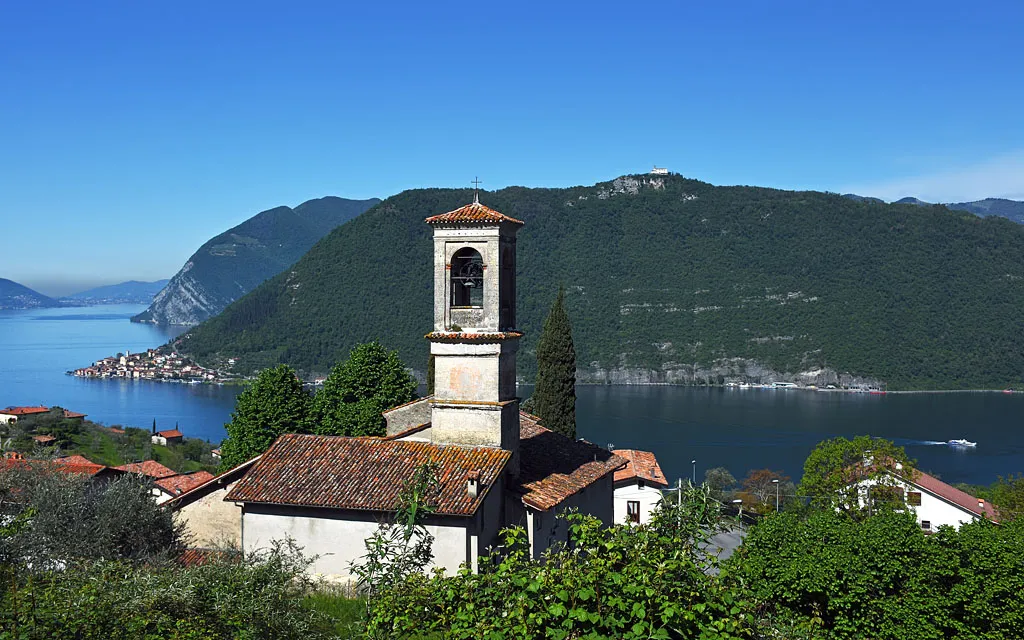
[[474, 341]]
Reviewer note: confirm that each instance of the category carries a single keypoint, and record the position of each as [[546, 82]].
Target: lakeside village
[[155, 365], [487, 466]]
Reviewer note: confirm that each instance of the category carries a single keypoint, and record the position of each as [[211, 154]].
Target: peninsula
[[154, 364]]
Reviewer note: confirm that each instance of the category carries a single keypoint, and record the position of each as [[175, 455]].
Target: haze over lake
[[738, 429]]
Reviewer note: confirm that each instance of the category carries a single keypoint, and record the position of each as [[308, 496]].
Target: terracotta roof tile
[[197, 557], [553, 467], [24, 411], [960, 498], [640, 464], [44, 439], [66, 464], [149, 468], [363, 473], [213, 483], [170, 433], [179, 484], [474, 212]]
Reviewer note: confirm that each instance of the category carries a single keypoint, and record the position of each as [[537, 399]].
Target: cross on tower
[[476, 189]]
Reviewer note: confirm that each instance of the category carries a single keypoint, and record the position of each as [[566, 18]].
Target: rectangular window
[[926, 524], [914, 498], [633, 510]]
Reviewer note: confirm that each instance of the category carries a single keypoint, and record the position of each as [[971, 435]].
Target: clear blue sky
[[131, 132]]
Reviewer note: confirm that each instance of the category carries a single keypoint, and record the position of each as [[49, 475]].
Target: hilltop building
[[496, 466], [638, 486]]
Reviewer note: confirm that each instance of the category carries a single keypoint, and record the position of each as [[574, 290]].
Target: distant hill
[[18, 296], [665, 273], [908, 200], [1011, 209], [130, 292], [854, 196], [233, 263]]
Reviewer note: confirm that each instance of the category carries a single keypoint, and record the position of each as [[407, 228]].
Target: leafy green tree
[[273, 404], [720, 481], [359, 390], [554, 398], [834, 467]]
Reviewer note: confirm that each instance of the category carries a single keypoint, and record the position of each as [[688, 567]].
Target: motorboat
[[960, 442]]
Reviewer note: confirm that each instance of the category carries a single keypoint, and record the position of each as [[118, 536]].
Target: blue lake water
[[738, 429]]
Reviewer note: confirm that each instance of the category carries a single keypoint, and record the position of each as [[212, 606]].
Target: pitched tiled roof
[[214, 483], [67, 464], [73, 414], [150, 468], [474, 212], [476, 337], [960, 498], [640, 464], [44, 439], [170, 433], [553, 467], [179, 484], [364, 473], [24, 411]]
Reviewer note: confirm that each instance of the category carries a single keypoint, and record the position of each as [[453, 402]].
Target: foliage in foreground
[[831, 575], [260, 597], [620, 582]]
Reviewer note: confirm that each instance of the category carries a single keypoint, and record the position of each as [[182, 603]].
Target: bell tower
[[474, 341]]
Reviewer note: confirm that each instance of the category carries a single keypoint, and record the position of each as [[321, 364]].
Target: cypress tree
[[554, 399]]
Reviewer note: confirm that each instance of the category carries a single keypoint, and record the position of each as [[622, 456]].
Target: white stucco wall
[[933, 509], [545, 528], [210, 521], [647, 496]]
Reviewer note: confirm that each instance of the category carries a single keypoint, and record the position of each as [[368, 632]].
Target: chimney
[[981, 504], [473, 483]]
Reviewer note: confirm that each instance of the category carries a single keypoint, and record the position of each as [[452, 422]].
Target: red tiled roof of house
[[640, 464], [149, 468], [73, 414], [73, 459], [44, 439], [170, 433], [66, 464], [960, 498], [213, 483], [474, 212], [364, 473], [179, 484], [476, 337], [24, 411], [553, 467]]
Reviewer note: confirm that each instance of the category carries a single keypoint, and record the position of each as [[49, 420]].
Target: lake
[[740, 429]]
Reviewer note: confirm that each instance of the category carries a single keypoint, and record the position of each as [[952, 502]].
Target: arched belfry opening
[[467, 279]]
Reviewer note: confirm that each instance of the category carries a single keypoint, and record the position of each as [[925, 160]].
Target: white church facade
[[496, 465]]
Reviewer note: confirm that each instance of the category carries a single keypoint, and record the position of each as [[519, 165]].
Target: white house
[[638, 486], [496, 466], [934, 502], [169, 436]]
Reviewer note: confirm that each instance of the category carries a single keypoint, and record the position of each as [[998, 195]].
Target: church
[[496, 465]]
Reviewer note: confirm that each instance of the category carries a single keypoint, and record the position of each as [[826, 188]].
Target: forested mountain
[[130, 292], [18, 296], [664, 273], [1011, 209], [232, 264]]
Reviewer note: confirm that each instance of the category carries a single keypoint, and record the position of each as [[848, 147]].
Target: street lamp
[[739, 505], [775, 481], [694, 463]]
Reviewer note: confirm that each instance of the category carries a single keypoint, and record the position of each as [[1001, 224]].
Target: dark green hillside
[[664, 273], [235, 262], [18, 296]]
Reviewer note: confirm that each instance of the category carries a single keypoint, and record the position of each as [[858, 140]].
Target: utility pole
[[679, 502], [694, 463]]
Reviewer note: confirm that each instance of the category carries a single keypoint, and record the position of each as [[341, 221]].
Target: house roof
[[24, 411], [210, 485], [474, 212], [367, 474], [66, 464], [170, 433], [73, 414], [962, 499], [149, 468], [44, 439], [552, 467], [640, 465], [178, 484]]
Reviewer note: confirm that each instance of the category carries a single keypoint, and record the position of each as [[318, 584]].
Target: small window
[[914, 498], [926, 525], [467, 278], [633, 510]]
